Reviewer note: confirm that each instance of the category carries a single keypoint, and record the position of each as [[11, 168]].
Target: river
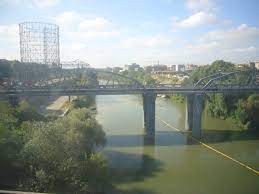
[[175, 163]]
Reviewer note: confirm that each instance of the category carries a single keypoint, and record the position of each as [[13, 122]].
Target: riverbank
[[59, 106]]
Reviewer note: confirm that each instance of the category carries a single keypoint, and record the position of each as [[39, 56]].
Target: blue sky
[[118, 32]]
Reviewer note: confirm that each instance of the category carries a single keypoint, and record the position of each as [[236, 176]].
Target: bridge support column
[[149, 104], [189, 112], [198, 104], [13, 100]]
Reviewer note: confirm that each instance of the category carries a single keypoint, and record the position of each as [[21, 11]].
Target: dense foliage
[[242, 108], [51, 155], [83, 101], [178, 98], [61, 153]]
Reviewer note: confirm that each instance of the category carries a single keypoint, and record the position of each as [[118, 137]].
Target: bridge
[[87, 81]]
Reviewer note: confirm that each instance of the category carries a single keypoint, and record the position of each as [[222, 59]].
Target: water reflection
[[149, 140], [215, 136], [161, 138], [127, 167]]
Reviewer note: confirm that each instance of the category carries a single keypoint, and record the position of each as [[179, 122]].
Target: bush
[[177, 98], [83, 102]]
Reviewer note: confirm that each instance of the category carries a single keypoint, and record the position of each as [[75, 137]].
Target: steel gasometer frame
[[39, 43]]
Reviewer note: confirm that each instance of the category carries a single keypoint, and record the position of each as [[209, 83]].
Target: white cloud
[[202, 12], [147, 41], [30, 3], [204, 47], [243, 50], [242, 34], [9, 40], [200, 5], [82, 34], [67, 19], [195, 20], [75, 26], [9, 33], [45, 3], [97, 23], [239, 44], [91, 34]]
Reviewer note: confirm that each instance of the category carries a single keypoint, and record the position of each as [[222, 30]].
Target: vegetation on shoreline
[[178, 98], [243, 108]]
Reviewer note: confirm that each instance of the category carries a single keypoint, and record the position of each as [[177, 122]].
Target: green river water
[[175, 163]]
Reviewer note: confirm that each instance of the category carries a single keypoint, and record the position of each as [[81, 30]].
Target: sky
[[118, 32]]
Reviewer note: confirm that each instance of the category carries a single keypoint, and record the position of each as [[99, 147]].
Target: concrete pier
[[189, 112], [198, 105], [149, 106], [13, 100]]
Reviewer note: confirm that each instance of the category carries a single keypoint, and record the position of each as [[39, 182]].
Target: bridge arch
[[229, 79], [73, 78]]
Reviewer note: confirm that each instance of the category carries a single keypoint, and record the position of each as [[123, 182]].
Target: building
[[177, 68], [148, 69], [172, 68], [132, 67], [180, 68], [257, 64], [250, 64], [242, 65], [191, 67], [116, 69], [159, 68], [156, 68]]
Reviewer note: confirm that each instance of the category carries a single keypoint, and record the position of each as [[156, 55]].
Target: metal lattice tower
[[39, 43]]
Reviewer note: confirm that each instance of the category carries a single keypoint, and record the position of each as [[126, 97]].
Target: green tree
[[252, 108], [83, 102], [10, 144], [5, 69], [243, 108], [63, 152], [24, 112]]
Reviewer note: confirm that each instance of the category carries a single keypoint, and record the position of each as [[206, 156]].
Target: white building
[[177, 68]]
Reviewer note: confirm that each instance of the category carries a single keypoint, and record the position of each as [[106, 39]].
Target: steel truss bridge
[[84, 81], [87, 81]]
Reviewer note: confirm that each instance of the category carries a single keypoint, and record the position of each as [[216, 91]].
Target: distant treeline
[[13, 68]]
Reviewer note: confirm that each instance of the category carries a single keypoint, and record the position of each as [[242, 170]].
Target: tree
[[63, 152], [83, 102], [240, 114], [25, 112], [5, 69], [10, 144], [241, 107], [216, 67]]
